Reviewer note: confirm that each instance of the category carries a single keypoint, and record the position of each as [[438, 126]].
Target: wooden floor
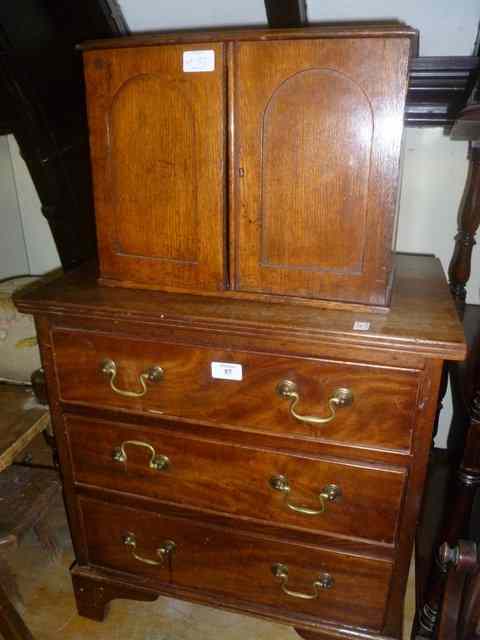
[[50, 611]]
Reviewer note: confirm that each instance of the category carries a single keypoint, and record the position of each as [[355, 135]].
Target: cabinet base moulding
[[95, 590]]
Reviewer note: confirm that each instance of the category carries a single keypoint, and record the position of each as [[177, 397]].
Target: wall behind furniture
[[13, 254], [40, 248], [434, 167], [26, 243]]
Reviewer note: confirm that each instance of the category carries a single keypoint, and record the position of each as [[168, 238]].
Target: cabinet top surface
[[422, 318], [328, 30]]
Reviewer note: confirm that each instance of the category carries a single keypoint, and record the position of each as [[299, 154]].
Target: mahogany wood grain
[[235, 564], [341, 544], [239, 478], [42, 330], [317, 160], [409, 343], [93, 597], [157, 147], [421, 319], [426, 411], [118, 586], [381, 416]]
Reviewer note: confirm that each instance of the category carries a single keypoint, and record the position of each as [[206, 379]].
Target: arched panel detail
[[154, 198], [317, 136]]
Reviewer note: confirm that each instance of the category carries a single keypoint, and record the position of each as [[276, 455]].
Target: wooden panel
[[316, 159], [160, 221], [157, 139], [317, 138], [382, 414], [239, 478], [230, 563]]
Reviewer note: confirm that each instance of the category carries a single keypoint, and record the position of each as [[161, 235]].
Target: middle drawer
[[311, 493]]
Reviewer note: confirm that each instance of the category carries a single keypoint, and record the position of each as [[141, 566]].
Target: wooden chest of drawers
[[263, 458]]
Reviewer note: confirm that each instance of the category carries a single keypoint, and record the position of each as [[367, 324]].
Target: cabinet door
[[317, 146], [157, 142]]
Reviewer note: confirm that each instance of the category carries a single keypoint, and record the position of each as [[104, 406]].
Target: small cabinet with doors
[[250, 163]]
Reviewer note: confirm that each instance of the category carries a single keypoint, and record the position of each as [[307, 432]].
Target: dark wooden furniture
[[43, 105], [460, 613], [247, 180], [286, 13], [266, 488], [21, 420], [25, 496], [464, 437], [13, 627]]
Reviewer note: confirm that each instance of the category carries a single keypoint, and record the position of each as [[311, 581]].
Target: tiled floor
[[51, 615]]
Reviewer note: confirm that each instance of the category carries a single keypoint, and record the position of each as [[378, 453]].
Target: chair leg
[[9, 583], [11, 624]]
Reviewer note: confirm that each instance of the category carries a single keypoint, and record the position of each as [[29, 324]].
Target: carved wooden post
[[460, 608], [466, 479], [468, 221], [11, 624]]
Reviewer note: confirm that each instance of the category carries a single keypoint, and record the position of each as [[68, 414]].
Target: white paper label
[[361, 326], [227, 371], [195, 61]]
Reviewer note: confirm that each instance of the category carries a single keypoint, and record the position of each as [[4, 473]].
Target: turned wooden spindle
[[468, 222], [461, 604], [466, 471]]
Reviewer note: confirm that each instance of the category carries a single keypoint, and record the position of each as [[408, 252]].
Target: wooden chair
[[460, 610], [26, 495], [12, 626], [435, 593]]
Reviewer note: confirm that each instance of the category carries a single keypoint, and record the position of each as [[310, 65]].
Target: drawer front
[[294, 491], [233, 565], [381, 415]]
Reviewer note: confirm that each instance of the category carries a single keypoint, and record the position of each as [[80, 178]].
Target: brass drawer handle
[[165, 551], [154, 374], [340, 397], [329, 493], [324, 581], [157, 462]]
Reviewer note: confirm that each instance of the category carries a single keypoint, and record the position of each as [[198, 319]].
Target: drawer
[[381, 415], [314, 494], [231, 565]]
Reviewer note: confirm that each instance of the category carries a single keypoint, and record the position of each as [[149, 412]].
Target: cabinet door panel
[[318, 130], [157, 138]]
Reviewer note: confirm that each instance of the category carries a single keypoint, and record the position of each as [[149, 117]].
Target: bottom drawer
[[295, 579]]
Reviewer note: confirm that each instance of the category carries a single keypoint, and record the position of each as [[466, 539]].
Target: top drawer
[[112, 371]]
